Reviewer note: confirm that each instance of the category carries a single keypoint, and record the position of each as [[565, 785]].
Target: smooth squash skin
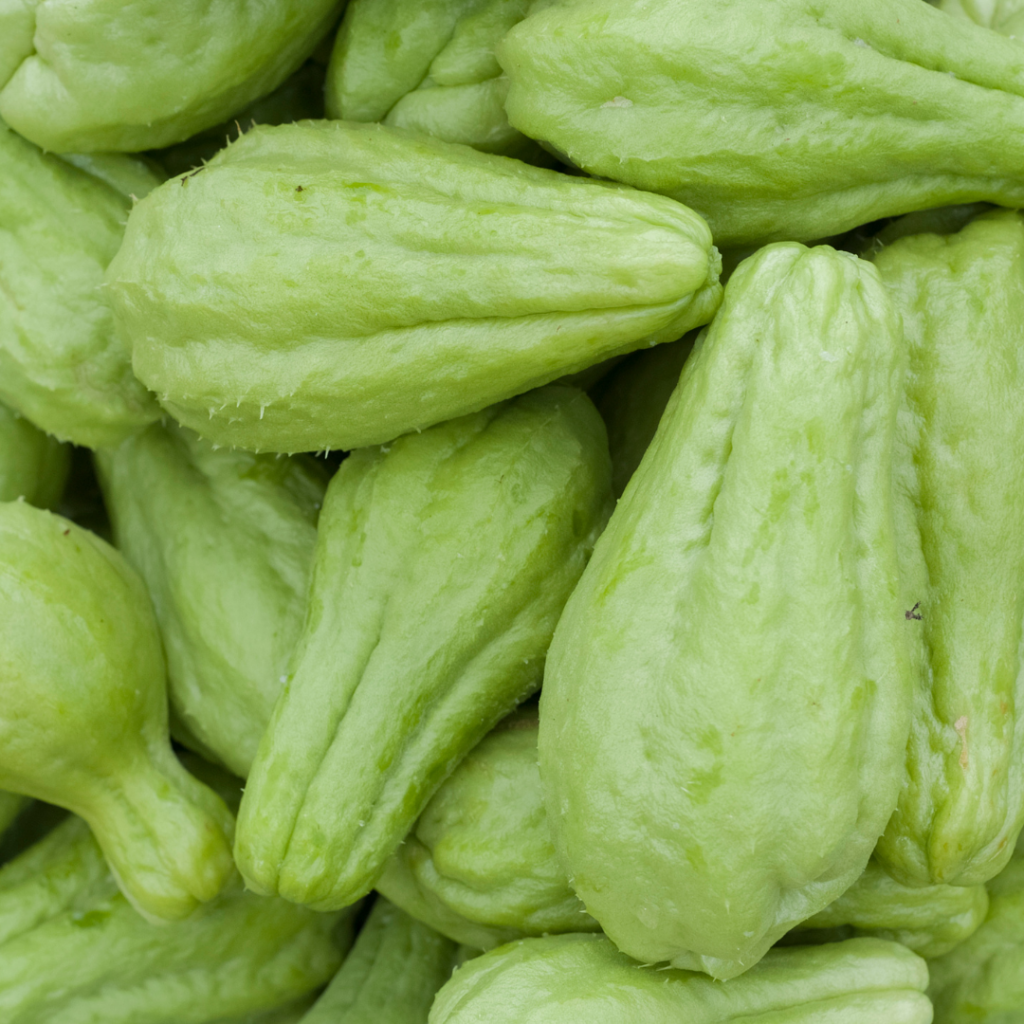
[[73, 950], [97, 75], [479, 865], [61, 366], [584, 979], [83, 713], [224, 542], [392, 974], [720, 767], [442, 564], [795, 119], [982, 981], [334, 285], [33, 465], [429, 67], [961, 297]]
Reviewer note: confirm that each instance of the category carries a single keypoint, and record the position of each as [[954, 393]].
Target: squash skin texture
[[443, 562], [61, 365], [83, 713], [224, 541], [961, 297], [110, 75], [720, 768], [33, 465], [795, 119], [334, 285], [576, 978]]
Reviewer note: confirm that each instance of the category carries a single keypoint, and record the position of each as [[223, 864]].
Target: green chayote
[[73, 950], [982, 981], [479, 865], [88, 75], [718, 768], [33, 466], [631, 400], [133, 176], [83, 712], [789, 119], [224, 541], [334, 285], [1004, 16], [929, 919], [961, 297], [572, 979], [442, 564], [11, 805], [430, 67], [392, 974], [60, 364]]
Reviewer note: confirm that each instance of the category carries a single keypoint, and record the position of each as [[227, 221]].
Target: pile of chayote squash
[[365, 367]]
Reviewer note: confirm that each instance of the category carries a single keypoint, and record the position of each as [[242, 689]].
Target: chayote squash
[[430, 67], [982, 981], [88, 75], [83, 712], [392, 974], [789, 119], [334, 285], [1004, 16], [73, 950], [719, 768], [442, 564], [33, 466], [224, 542], [11, 805], [572, 979], [931, 920], [632, 399], [479, 865], [61, 366], [961, 297]]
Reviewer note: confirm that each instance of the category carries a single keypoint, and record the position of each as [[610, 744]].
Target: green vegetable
[[32, 465], [392, 974], [982, 981], [1004, 16], [330, 285], [442, 564], [224, 542], [632, 399], [479, 865], [930, 919], [430, 67], [584, 978], [83, 713], [61, 366], [11, 805], [719, 767], [88, 75], [73, 950], [961, 297], [794, 119]]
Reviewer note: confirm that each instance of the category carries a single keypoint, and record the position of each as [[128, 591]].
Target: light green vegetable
[[480, 865], [790, 119], [931, 919], [442, 564], [224, 542], [632, 399], [33, 466], [97, 75], [332, 285], [961, 297], [61, 366], [134, 177], [1004, 16], [982, 981], [430, 67], [11, 805], [583, 978], [83, 713], [391, 975], [73, 950], [719, 768]]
